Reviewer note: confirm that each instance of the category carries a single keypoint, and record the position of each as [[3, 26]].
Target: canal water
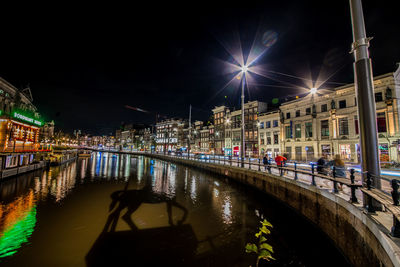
[[111, 210]]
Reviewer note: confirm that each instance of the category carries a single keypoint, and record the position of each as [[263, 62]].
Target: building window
[[288, 132], [343, 126], [262, 141], [356, 124], [275, 123], [297, 128], [276, 138], [268, 124], [325, 128], [297, 113], [288, 115], [308, 129], [308, 111], [378, 97], [381, 122], [261, 125], [342, 104], [268, 140], [324, 107]]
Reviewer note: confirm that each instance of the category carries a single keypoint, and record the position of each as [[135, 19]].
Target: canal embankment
[[356, 233], [5, 173]]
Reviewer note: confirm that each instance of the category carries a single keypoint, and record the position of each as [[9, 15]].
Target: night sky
[[84, 64]]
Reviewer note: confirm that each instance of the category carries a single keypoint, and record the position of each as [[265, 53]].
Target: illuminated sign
[[26, 118], [1, 111]]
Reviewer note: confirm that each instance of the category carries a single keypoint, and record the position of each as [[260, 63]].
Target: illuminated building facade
[[327, 124], [170, 135], [20, 125], [269, 134]]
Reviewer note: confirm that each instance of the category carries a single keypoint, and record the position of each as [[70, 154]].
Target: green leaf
[[258, 234], [265, 230], [251, 248], [267, 247], [262, 239], [265, 255], [266, 223]]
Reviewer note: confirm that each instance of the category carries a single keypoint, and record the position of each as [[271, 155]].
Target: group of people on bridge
[[323, 166]]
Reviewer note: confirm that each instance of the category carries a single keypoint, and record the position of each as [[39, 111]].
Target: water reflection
[[153, 203], [17, 223]]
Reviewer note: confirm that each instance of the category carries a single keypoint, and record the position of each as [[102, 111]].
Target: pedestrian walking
[[265, 161], [280, 160], [340, 170]]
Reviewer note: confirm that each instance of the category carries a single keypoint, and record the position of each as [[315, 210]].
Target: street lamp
[[313, 90], [244, 69]]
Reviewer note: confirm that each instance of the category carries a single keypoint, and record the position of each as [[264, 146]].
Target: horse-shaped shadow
[[132, 199]]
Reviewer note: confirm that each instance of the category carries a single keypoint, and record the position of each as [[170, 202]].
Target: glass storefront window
[[326, 150], [345, 151]]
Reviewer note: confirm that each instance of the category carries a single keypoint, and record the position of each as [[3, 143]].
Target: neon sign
[[19, 116]]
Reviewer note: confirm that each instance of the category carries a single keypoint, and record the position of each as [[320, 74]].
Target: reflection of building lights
[[216, 192], [227, 211], [18, 220], [193, 194]]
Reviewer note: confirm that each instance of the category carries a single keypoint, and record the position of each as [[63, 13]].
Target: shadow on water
[[174, 245]]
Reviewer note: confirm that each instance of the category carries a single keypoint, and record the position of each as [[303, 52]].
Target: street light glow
[[244, 68], [313, 90]]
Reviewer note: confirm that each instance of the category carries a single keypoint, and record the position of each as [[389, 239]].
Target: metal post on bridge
[[295, 170], [353, 197], [259, 164], [335, 189], [312, 175], [369, 200], [249, 164], [366, 101]]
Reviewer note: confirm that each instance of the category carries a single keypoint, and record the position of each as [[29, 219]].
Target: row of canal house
[[20, 126], [304, 129], [327, 124]]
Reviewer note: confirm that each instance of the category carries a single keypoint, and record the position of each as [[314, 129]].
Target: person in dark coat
[[321, 163], [265, 161]]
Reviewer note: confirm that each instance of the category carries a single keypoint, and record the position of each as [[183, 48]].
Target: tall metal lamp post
[[365, 96], [242, 145]]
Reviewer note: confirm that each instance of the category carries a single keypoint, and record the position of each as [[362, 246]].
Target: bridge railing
[[297, 172], [389, 202]]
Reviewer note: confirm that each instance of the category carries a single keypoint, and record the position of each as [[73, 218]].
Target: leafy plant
[[262, 249]]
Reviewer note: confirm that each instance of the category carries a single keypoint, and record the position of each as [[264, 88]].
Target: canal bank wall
[[21, 170], [363, 241]]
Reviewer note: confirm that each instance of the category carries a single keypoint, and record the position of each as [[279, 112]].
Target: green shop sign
[[25, 118]]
